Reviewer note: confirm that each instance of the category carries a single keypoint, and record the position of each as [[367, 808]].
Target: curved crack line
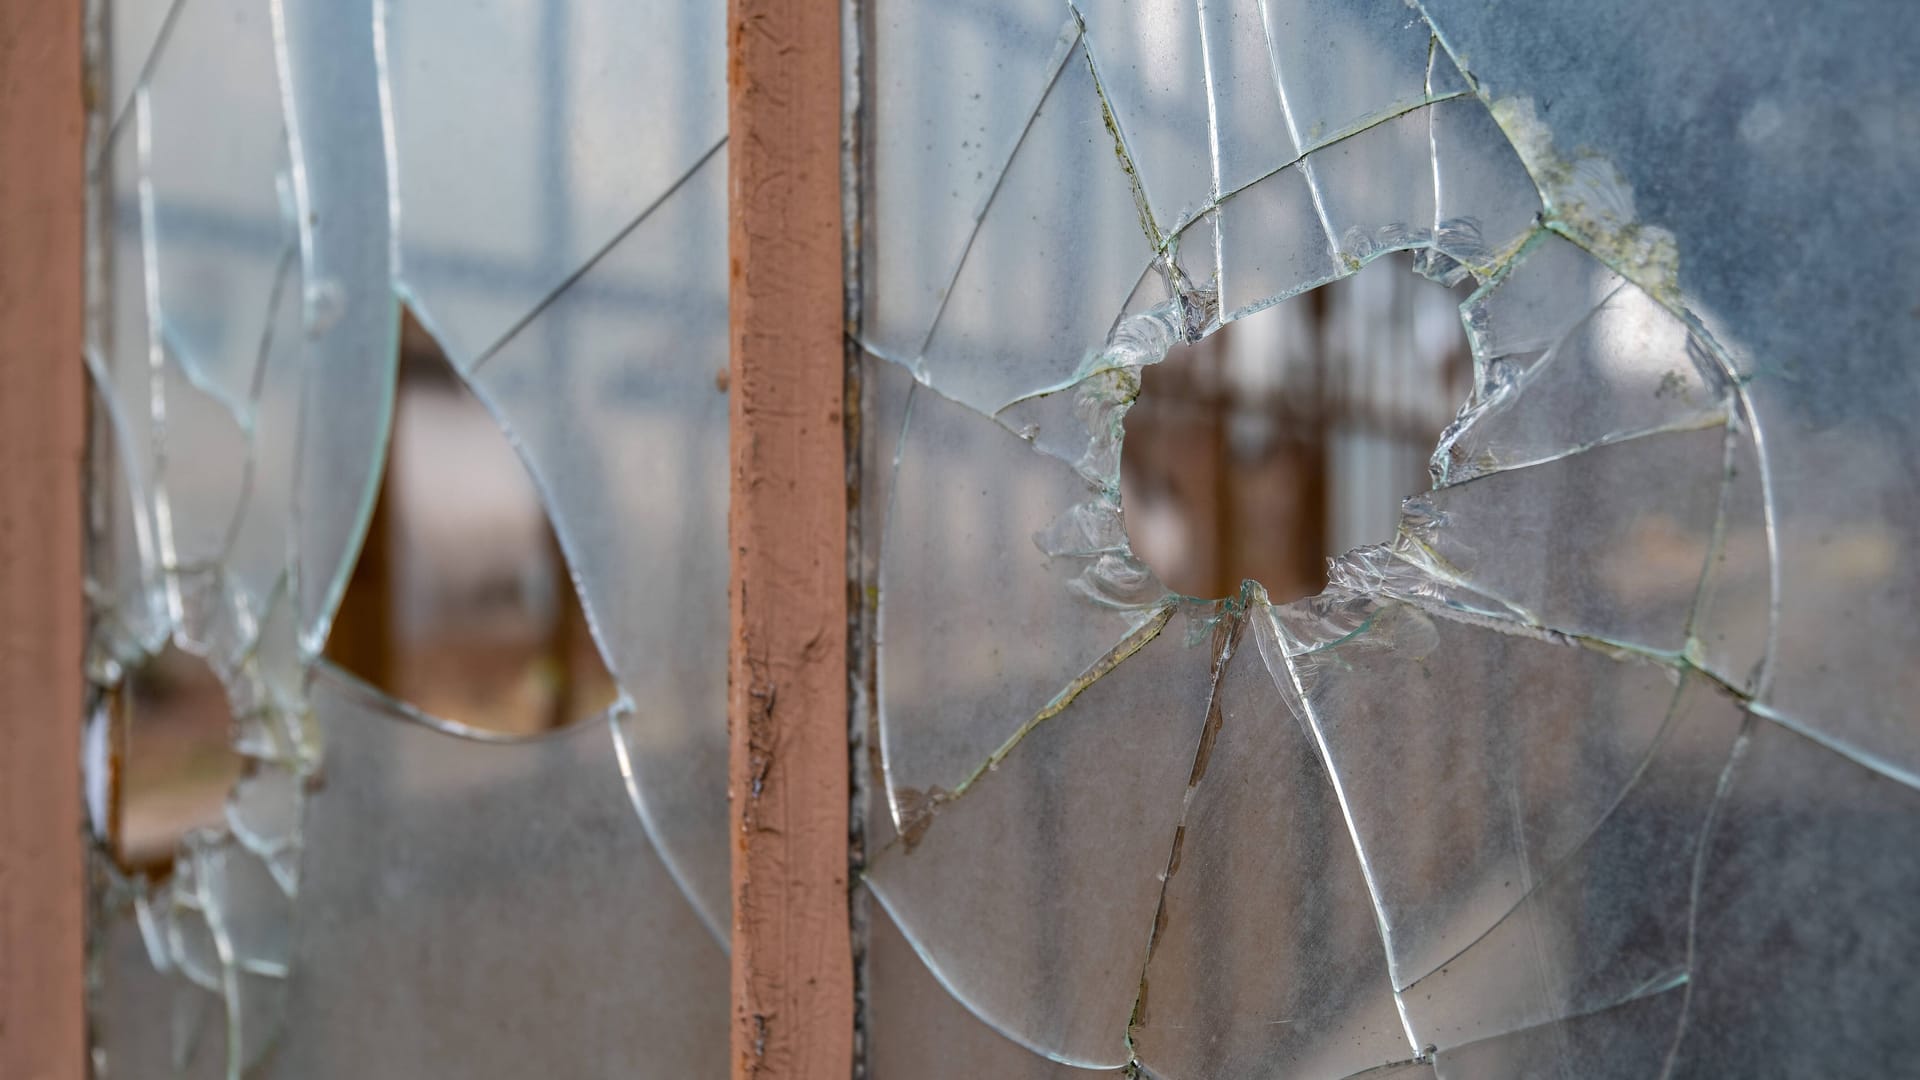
[[1097, 362], [1063, 52], [145, 72], [1754, 430], [591, 612], [375, 699], [913, 822], [623, 756], [1679, 663], [1390, 1068], [1129, 645], [1553, 868], [1698, 883], [936, 970], [1716, 547], [1662, 985], [1698, 422]]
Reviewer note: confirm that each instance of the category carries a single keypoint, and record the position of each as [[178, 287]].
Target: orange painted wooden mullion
[[788, 780], [42, 433]]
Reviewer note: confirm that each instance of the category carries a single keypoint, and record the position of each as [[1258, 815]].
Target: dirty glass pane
[[298, 874], [513, 881], [1594, 756]]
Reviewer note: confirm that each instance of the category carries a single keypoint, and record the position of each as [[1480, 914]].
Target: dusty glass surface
[[1601, 761], [383, 891]]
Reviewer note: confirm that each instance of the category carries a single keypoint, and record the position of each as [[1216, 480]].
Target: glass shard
[[1251, 137], [1532, 742], [1376, 187], [557, 125], [977, 657], [1341, 65], [1627, 368], [1273, 244], [615, 395], [330, 79], [218, 176], [1485, 204], [1541, 295], [447, 880], [917, 1029], [1572, 721], [1063, 199], [1148, 59], [1267, 956], [953, 94], [1609, 922], [1032, 888], [267, 182], [202, 455], [1607, 543]]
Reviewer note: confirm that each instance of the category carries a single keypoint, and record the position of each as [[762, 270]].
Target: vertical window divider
[[788, 787], [43, 899]]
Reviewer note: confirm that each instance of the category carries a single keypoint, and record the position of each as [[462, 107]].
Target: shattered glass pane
[[1597, 759], [392, 879]]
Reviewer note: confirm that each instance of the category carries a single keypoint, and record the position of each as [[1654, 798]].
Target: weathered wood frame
[[787, 711], [42, 441]]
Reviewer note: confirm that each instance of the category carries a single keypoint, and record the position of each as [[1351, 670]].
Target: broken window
[[401, 425], [1514, 789], [1566, 731]]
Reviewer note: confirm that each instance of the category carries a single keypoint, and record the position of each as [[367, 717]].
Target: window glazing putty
[[1605, 764], [543, 185]]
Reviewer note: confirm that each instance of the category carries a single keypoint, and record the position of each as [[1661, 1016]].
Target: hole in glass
[[174, 762], [461, 603], [1291, 436]]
